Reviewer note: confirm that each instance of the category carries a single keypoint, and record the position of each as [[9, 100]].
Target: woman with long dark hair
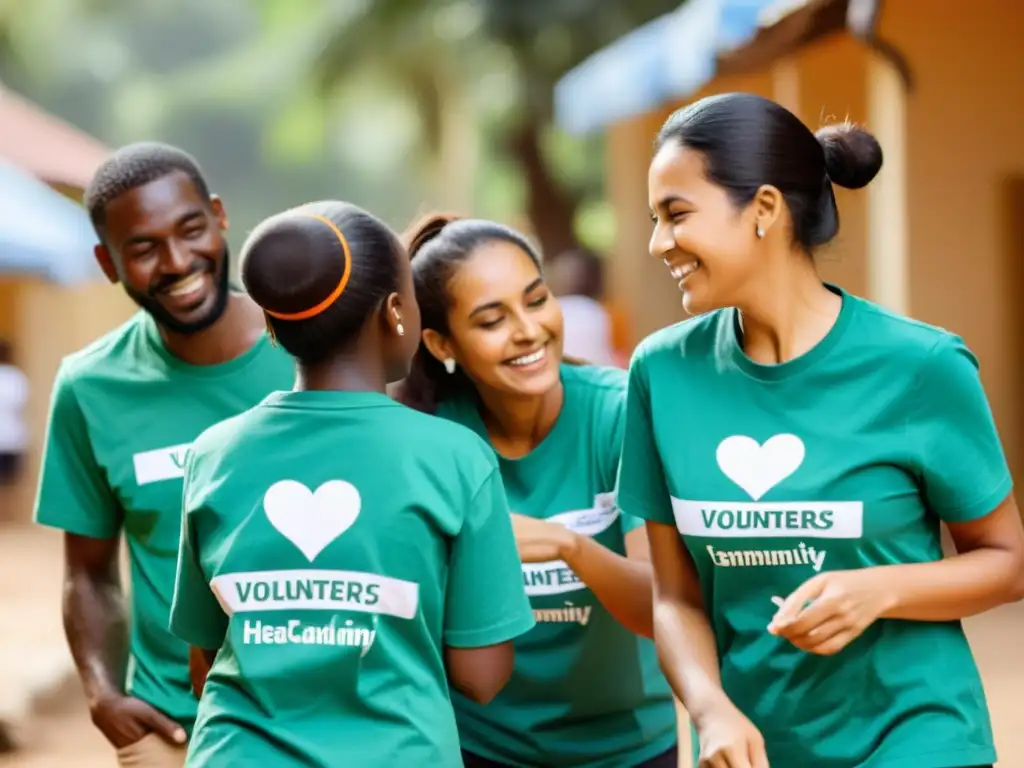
[[586, 690]]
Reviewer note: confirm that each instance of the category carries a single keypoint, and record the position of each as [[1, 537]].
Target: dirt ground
[[58, 733]]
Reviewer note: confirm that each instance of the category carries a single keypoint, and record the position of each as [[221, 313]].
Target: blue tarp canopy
[[664, 60], [42, 232]]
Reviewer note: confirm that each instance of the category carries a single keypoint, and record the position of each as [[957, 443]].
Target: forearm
[[688, 655], [96, 627], [621, 584], [954, 587]]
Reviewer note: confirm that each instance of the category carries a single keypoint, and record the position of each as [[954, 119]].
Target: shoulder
[[218, 438], [593, 380], [892, 332], [105, 356], [898, 343], [599, 390], [442, 435], [214, 449], [695, 338]]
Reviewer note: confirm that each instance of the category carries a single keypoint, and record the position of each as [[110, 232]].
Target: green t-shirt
[[846, 457], [122, 416], [585, 691], [333, 544]]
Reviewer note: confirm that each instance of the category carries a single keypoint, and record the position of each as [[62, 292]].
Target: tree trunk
[[458, 149], [549, 206]]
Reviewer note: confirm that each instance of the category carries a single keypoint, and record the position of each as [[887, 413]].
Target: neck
[[517, 425], [236, 330], [791, 314], [345, 372]]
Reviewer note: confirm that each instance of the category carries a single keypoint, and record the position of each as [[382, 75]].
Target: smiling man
[[123, 413]]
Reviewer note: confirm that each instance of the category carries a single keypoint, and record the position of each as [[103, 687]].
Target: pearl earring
[[400, 329], [760, 232], [449, 364]]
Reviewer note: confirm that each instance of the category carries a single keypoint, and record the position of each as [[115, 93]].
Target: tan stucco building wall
[[44, 323]]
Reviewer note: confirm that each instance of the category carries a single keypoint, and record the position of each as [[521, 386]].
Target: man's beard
[[164, 318]]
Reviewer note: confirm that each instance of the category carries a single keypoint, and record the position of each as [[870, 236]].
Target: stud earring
[[760, 232], [400, 329], [449, 364]]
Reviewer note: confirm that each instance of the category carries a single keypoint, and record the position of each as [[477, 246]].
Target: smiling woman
[[802, 601], [491, 360]]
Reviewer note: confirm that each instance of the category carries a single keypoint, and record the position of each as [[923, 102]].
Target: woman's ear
[[438, 345], [768, 206], [392, 311]]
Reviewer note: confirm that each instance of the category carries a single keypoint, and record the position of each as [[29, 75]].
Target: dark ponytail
[[438, 244]]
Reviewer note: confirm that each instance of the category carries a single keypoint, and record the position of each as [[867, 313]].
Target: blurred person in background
[[123, 413], [794, 448], [13, 431], [413, 531], [586, 690], [13, 444], [594, 329]]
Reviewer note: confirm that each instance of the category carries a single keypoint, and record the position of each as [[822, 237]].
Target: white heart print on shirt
[[312, 520], [759, 468]]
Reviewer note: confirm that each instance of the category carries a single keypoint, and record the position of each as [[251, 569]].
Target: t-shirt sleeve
[[73, 492], [641, 491], [961, 464], [196, 615], [629, 523], [486, 602]]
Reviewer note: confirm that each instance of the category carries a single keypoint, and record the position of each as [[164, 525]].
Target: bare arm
[[686, 644], [987, 571], [622, 584], [96, 625], [480, 673], [95, 619]]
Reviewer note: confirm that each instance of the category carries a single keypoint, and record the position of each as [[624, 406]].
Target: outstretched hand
[[540, 541]]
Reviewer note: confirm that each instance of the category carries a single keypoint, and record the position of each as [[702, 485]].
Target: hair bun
[[426, 229], [853, 157]]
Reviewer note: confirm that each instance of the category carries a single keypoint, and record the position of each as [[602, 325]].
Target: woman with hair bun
[[794, 449], [586, 690], [345, 560]]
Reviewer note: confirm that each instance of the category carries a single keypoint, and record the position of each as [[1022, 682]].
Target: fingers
[[731, 757], [793, 605], [158, 722], [810, 620], [758, 755], [816, 635], [836, 643]]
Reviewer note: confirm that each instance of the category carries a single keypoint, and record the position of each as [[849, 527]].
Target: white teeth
[[685, 269], [527, 359], [187, 285]]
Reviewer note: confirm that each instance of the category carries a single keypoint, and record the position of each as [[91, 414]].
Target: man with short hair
[[123, 412]]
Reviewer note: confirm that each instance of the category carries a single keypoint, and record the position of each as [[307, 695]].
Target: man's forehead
[[164, 197]]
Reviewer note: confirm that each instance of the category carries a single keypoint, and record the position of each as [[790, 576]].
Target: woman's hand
[[539, 541], [729, 740], [831, 610]]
